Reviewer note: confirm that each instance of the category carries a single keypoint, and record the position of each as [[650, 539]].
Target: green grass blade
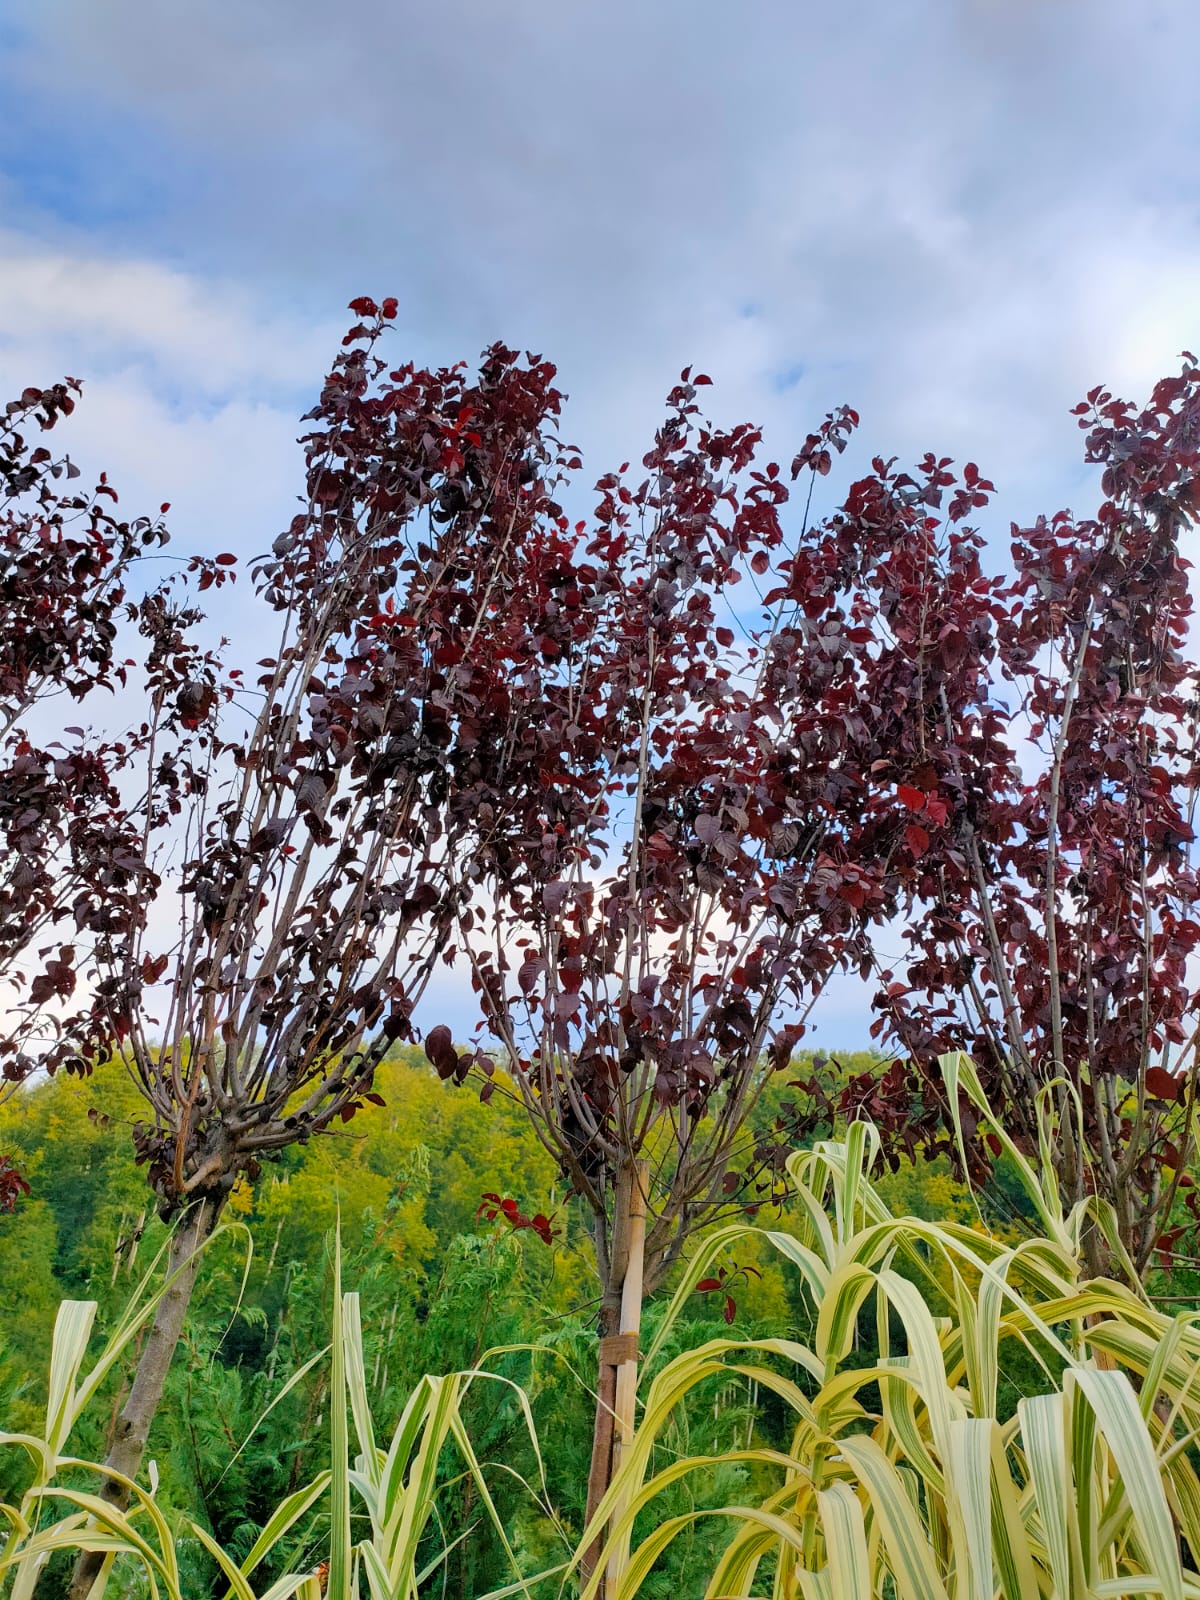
[[526, 1583], [304, 1585], [969, 1486], [237, 1583], [1015, 1567], [356, 1379], [284, 1517], [1043, 1434], [959, 1072], [846, 1543], [837, 1317], [909, 1552], [297, 1377], [1118, 1416], [68, 1346]]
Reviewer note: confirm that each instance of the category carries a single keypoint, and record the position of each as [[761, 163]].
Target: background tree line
[[442, 1287]]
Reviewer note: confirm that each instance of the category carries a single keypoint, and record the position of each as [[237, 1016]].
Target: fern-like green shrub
[[377, 1503]]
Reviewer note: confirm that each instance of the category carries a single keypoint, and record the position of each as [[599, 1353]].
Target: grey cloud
[[919, 197]]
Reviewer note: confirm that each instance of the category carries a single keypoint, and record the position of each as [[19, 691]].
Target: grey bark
[[128, 1443]]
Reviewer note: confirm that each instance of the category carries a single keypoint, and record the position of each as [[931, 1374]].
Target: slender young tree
[[704, 851], [319, 881]]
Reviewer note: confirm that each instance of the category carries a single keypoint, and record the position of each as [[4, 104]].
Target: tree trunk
[[620, 1323], [128, 1442]]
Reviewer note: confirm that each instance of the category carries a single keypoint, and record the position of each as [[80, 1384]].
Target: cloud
[[191, 392], [938, 210], [197, 339]]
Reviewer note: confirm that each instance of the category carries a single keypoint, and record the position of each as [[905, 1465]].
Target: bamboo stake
[[600, 1471], [625, 1403]]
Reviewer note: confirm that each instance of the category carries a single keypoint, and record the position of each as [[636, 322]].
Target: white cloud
[[196, 340], [191, 394]]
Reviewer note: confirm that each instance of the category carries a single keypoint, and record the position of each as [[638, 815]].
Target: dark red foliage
[[708, 804], [492, 1206], [1039, 790], [12, 1185], [325, 867], [726, 1280], [74, 873], [683, 846], [655, 774]]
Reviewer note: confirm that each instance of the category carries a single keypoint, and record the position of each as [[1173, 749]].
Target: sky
[[955, 215]]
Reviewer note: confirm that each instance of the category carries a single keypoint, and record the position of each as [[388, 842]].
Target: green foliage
[[245, 1426], [398, 1486], [762, 1465], [900, 1479], [437, 1287]]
